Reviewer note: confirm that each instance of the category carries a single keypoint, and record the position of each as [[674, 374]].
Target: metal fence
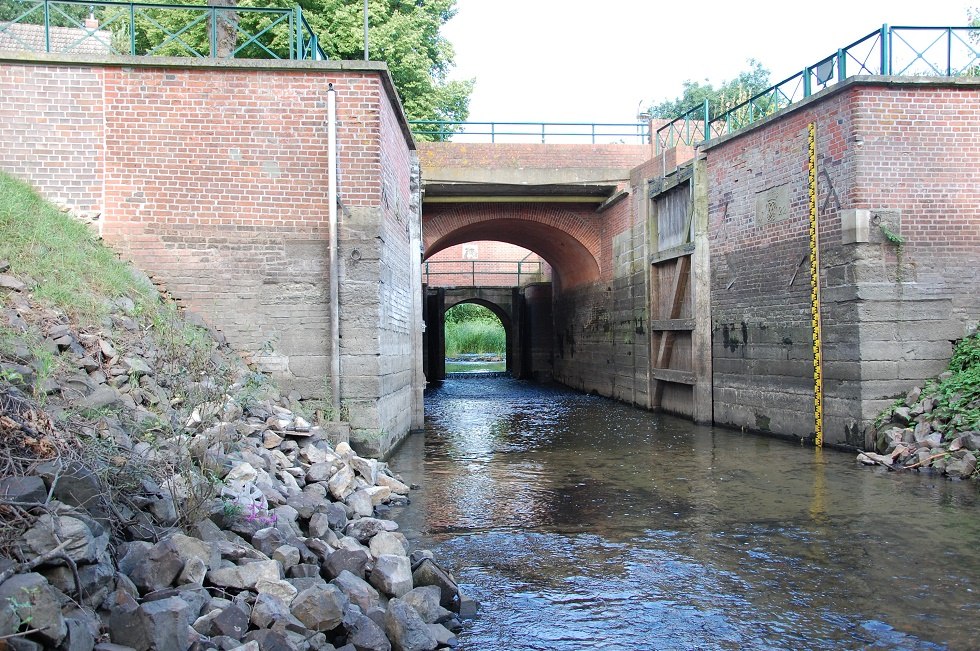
[[466, 272], [148, 29], [901, 51], [543, 132]]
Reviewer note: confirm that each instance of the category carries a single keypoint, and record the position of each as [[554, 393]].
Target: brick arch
[[566, 238], [502, 314]]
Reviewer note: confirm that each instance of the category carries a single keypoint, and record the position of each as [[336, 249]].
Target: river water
[[582, 523]]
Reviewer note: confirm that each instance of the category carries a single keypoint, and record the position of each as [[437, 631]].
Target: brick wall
[[906, 152], [530, 156], [213, 178], [496, 264]]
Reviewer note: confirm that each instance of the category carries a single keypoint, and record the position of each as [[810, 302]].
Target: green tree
[[723, 98], [406, 35]]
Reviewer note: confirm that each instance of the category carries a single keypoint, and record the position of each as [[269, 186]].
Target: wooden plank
[[701, 303], [666, 348], [672, 254], [670, 375], [672, 324]]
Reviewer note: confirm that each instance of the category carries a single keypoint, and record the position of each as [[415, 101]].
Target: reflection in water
[[581, 523]]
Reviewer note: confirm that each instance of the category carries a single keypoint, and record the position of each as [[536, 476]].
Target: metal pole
[[334, 256], [366, 30]]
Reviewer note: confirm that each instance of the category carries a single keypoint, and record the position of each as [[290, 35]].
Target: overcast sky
[[600, 60]]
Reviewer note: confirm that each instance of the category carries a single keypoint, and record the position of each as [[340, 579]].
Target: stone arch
[[566, 238]]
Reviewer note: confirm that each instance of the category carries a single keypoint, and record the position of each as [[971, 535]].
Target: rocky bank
[[156, 493]]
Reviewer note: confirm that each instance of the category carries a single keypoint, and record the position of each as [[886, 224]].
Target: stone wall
[[212, 177]]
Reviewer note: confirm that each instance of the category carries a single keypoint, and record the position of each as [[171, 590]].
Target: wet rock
[[427, 572], [320, 609], [392, 575], [426, 601], [444, 637], [32, 600], [406, 630], [962, 467]]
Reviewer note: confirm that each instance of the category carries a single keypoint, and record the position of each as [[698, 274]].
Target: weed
[[473, 329], [899, 243]]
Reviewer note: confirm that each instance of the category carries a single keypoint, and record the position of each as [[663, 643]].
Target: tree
[[406, 35], [723, 98]]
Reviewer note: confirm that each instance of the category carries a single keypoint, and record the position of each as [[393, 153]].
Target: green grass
[[72, 270], [473, 329]]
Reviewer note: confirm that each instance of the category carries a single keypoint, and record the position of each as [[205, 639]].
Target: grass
[[473, 329]]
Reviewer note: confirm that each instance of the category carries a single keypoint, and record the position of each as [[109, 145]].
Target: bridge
[[789, 266]]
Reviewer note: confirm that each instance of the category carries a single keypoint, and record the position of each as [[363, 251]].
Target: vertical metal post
[[707, 120], [334, 253], [297, 18], [593, 133], [885, 47], [949, 51], [47, 27], [214, 32], [473, 272], [806, 81], [542, 133], [366, 48], [841, 65], [132, 29]]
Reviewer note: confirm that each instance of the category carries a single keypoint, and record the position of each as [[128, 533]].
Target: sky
[[603, 60]]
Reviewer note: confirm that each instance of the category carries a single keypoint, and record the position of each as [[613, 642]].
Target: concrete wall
[[902, 153], [213, 178]]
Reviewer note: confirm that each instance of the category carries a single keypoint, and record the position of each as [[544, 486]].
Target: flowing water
[[583, 523]]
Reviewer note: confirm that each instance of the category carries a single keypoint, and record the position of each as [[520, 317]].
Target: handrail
[[520, 271], [114, 27], [888, 51], [443, 130]]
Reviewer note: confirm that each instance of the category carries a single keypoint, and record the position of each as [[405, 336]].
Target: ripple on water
[[581, 523]]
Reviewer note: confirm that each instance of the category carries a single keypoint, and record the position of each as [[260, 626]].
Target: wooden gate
[[680, 317]]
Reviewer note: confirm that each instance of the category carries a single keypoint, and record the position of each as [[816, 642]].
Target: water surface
[[583, 523]]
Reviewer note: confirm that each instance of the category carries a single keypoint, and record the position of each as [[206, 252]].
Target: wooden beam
[[701, 298], [670, 375], [672, 324], [682, 274]]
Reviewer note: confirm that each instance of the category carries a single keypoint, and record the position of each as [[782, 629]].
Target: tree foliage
[[722, 98]]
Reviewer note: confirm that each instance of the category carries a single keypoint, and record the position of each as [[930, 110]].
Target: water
[[582, 523]]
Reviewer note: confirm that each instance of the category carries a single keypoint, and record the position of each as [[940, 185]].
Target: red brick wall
[[496, 265], [51, 131]]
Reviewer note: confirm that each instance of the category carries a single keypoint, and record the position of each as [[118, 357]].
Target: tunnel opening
[[476, 340]]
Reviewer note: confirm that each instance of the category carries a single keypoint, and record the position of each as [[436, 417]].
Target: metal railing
[[445, 130], [901, 51], [521, 270], [151, 29]]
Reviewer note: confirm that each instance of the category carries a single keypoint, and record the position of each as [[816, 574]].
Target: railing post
[[542, 133], [298, 19], [47, 27], [473, 272], [886, 51], [806, 81], [132, 29], [841, 65], [707, 120], [949, 51], [214, 33]]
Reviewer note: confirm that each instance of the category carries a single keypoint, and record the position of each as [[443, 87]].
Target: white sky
[[599, 60]]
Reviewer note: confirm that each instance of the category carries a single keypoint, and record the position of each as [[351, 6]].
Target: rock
[[305, 503], [341, 484], [232, 621], [360, 503], [79, 638], [287, 555], [901, 416], [392, 575], [83, 546], [468, 607], [406, 630], [427, 572], [320, 609], [933, 440], [425, 601], [158, 569], [358, 591], [388, 542], [267, 540], [28, 488], [378, 494], [245, 576], [32, 599], [268, 609], [353, 561], [336, 515], [304, 570], [912, 396], [9, 282], [365, 634], [366, 468], [444, 637], [962, 467], [364, 529], [284, 591], [390, 482], [97, 581], [103, 396], [270, 640], [189, 548], [922, 430], [166, 622]]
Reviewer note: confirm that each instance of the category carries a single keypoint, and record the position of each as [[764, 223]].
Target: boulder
[[155, 570], [364, 529], [268, 609], [360, 593], [342, 560], [166, 622], [392, 575], [320, 608], [427, 572], [342, 483], [364, 633], [83, 545], [388, 542], [232, 622], [32, 600], [245, 576], [426, 602], [360, 503], [406, 630]]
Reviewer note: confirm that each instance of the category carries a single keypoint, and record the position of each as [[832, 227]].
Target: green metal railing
[[152, 29], [901, 51], [521, 270], [444, 130]]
